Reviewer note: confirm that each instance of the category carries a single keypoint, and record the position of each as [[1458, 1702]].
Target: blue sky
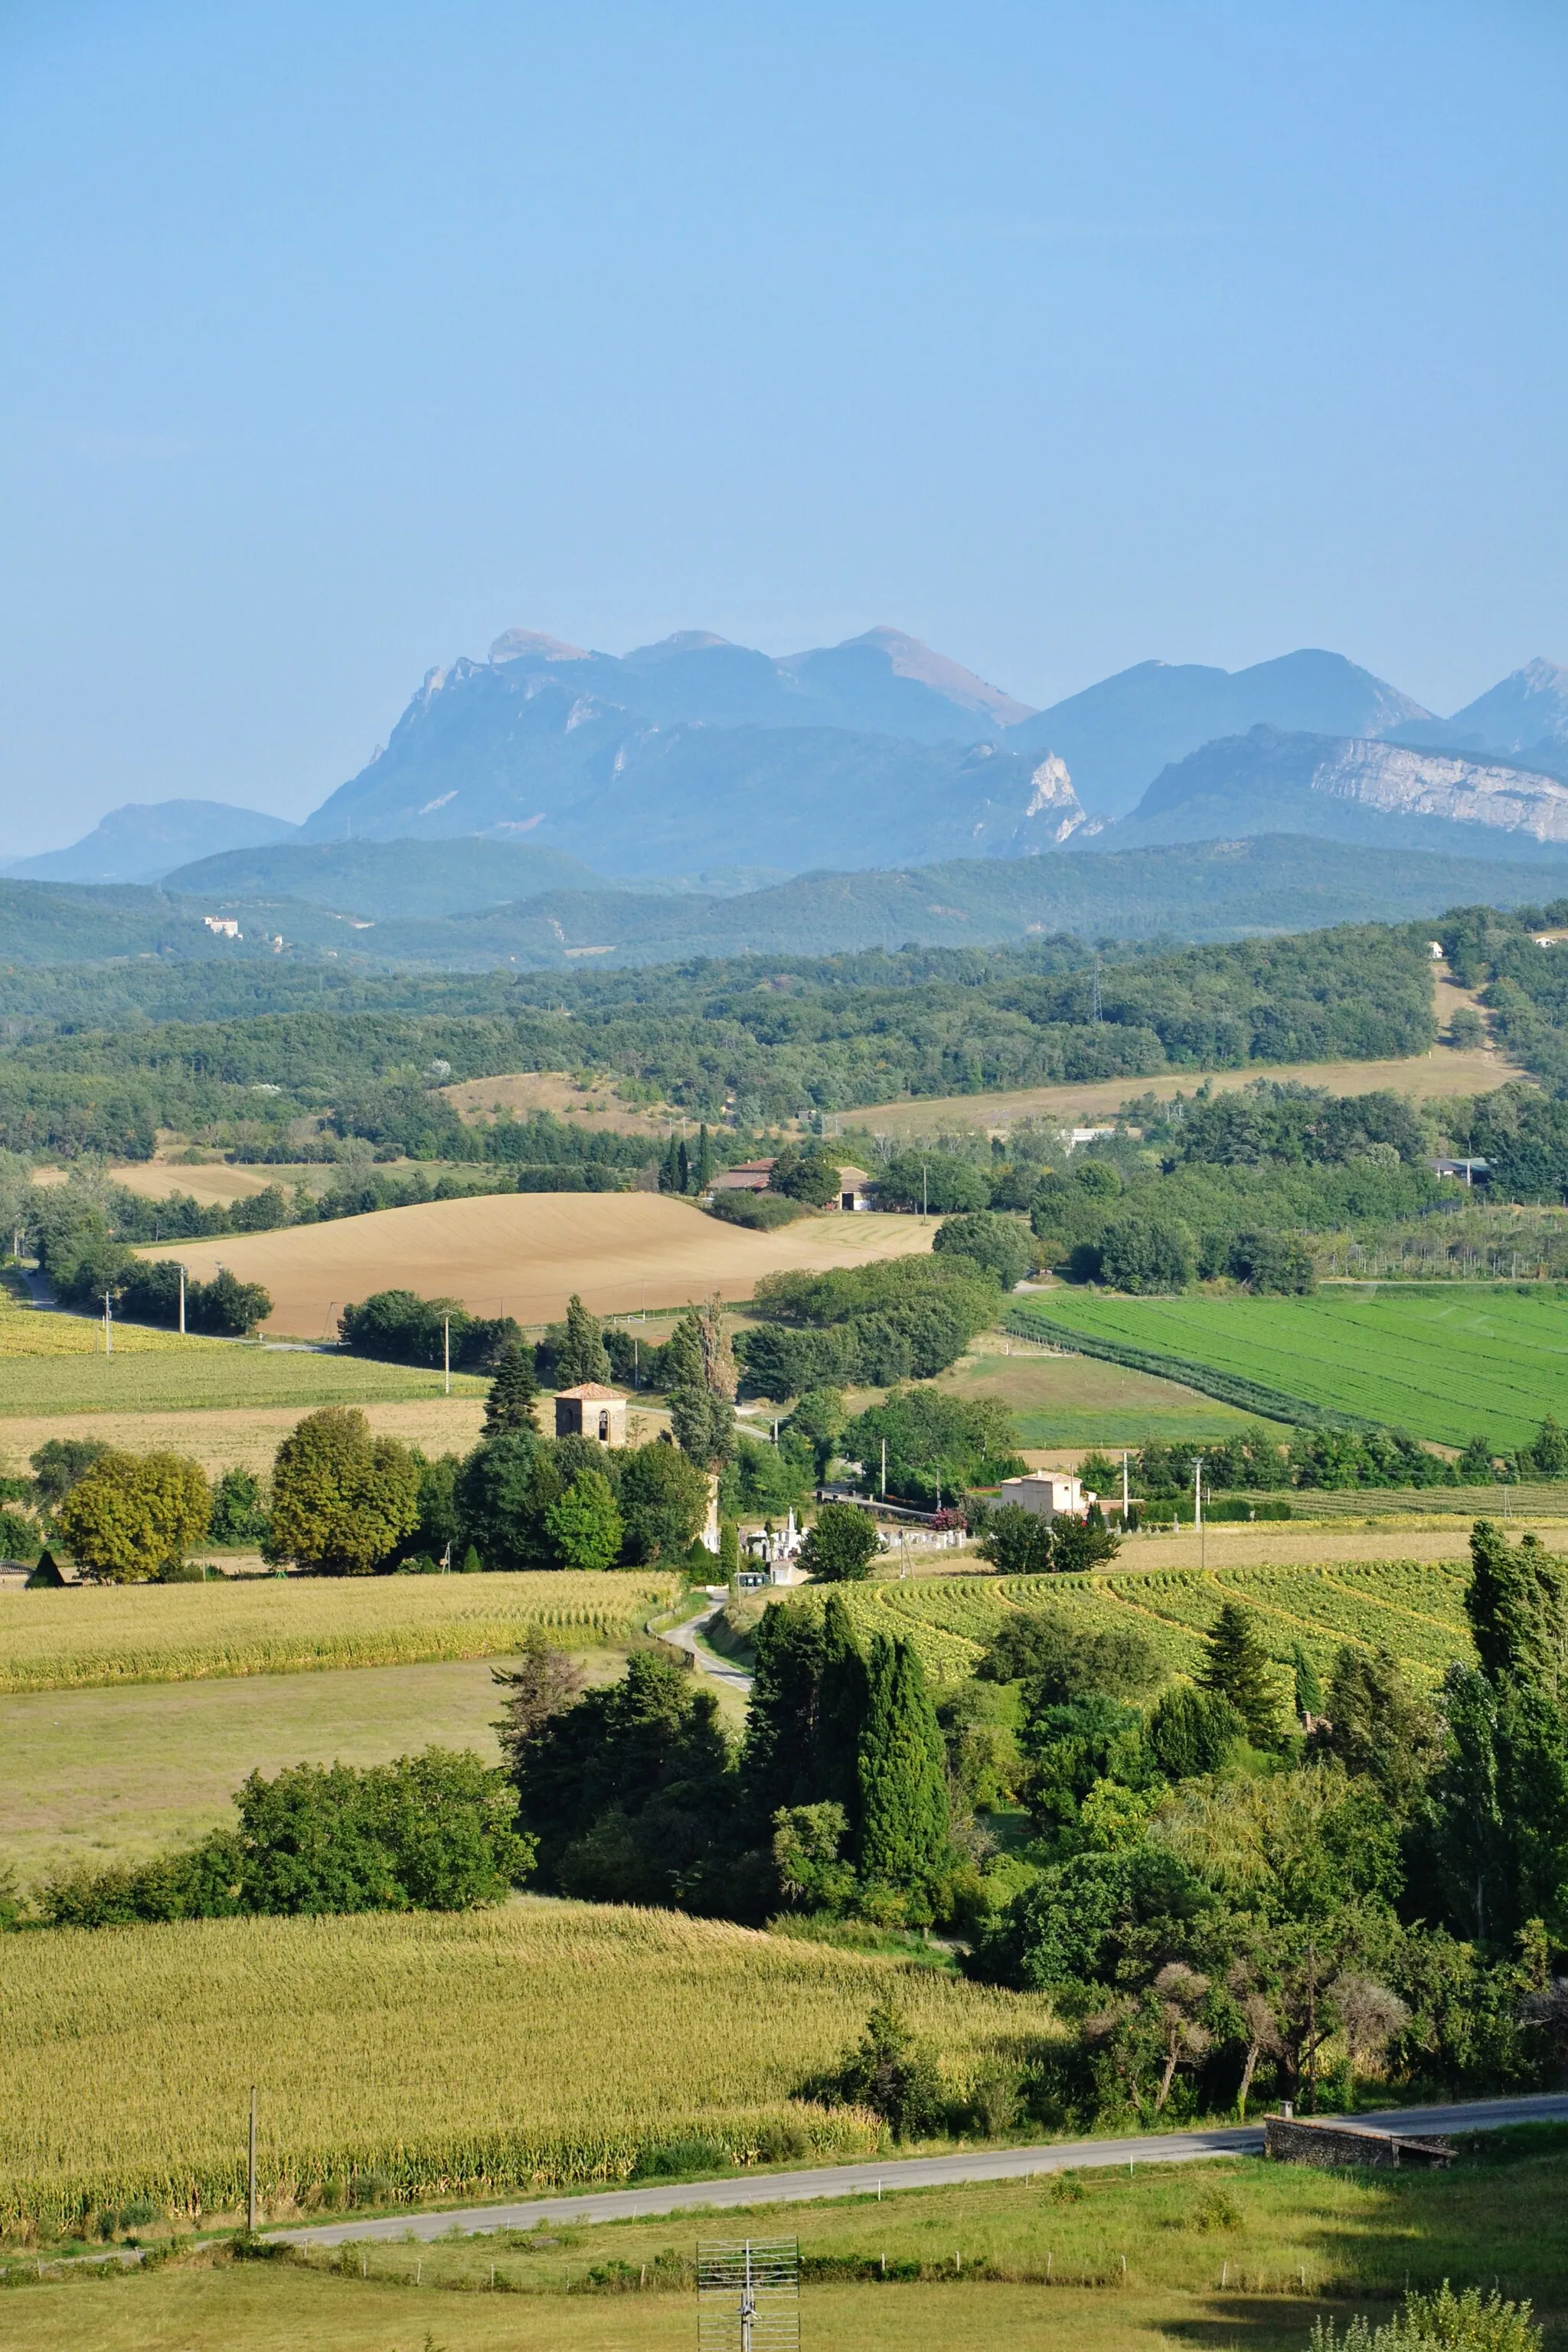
[[339, 337]]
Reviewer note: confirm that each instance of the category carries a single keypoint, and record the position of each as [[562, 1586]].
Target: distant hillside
[[140, 843], [1350, 789], [386, 878], [1116, 737], [1214, 891]]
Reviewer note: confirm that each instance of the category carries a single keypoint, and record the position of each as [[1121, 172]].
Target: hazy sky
[[339, 337]]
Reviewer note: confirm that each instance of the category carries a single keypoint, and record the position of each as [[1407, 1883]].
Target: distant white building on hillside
[[1048, 1494]]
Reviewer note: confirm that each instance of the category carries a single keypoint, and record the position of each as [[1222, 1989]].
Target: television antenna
[[748, 2295]]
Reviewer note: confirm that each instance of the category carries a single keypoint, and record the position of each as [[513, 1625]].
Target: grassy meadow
[[94, 1777], [223, 1437], [100, 1635], [1442, 1363], [444, 2055], [1412, 1607]]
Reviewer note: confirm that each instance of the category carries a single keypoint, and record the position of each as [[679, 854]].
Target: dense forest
[[752, 1042]]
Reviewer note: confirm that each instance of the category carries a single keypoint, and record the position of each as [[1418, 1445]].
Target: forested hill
[[757, 1039]]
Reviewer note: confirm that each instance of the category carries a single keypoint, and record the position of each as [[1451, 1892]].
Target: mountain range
[[696, 762]]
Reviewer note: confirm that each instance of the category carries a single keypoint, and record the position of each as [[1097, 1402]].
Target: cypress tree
[[669, 1167], [702, 1175], [582, 1354], [1237, 1667], [841, 1713], [1518, 1607], [510, 1404], [682, 1167], [903, 1772], [779, 1762], [1308, 1684]]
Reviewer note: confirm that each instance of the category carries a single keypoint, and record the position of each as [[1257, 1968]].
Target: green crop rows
[[1441, 1365], [1415, 1608]]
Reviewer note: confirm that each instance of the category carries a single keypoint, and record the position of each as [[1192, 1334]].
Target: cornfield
[[185, 1633], [541, 2044]]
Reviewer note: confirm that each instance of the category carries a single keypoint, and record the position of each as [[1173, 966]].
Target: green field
[[208, 1372], [1443, 1364], [1227, 2253], [1077, 1400], [1415, 1608]]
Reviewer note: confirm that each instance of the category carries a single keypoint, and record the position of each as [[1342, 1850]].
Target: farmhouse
[[589, 1410], [856, 1189], [1048, 1494], [746, 1176]]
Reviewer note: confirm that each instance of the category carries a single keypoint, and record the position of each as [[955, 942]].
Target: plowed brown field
[[524, 1254]]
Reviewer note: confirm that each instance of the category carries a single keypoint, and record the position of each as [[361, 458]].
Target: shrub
[[893, 2074], [842, 1545], [401, 1327], [238, 1510], [762, 1212]]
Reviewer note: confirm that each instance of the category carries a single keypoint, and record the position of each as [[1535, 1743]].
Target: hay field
[[215, 1184], [541, 2042], [523, 1254], [224, 1437], [1444, 1071], [273, 1625]]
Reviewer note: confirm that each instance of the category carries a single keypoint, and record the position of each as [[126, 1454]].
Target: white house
[[1048, 1494]]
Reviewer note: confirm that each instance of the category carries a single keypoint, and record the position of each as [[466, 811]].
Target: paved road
[[684, 1637], [910, 2172]]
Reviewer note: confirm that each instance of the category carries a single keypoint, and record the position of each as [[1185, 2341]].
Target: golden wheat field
[[524, 1254], [275, 1625], [541, 2042]]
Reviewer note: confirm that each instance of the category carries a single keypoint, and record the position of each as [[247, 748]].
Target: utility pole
[[1198, 1510], [1126, 1498], [182, 1299], [250, 2170], [446, 1351], [107, 1330], [884, 1469], [925, 1192]]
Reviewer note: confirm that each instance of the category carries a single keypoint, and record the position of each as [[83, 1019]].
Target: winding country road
[[749, 2188], [706, 1661]]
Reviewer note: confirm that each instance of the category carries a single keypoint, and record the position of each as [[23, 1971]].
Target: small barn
[[745, 1176], [591, 1410], [856, 1188], [52, 1573], [1048, 1494]]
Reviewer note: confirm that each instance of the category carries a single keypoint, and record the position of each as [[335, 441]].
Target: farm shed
[[746, 1176], [1048, 1494], [591, 1410]]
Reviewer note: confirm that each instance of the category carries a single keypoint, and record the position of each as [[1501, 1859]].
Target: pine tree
[[702, 1175], [581, 1355], [510, 1404], [1238, 1666], [902, 1774]]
